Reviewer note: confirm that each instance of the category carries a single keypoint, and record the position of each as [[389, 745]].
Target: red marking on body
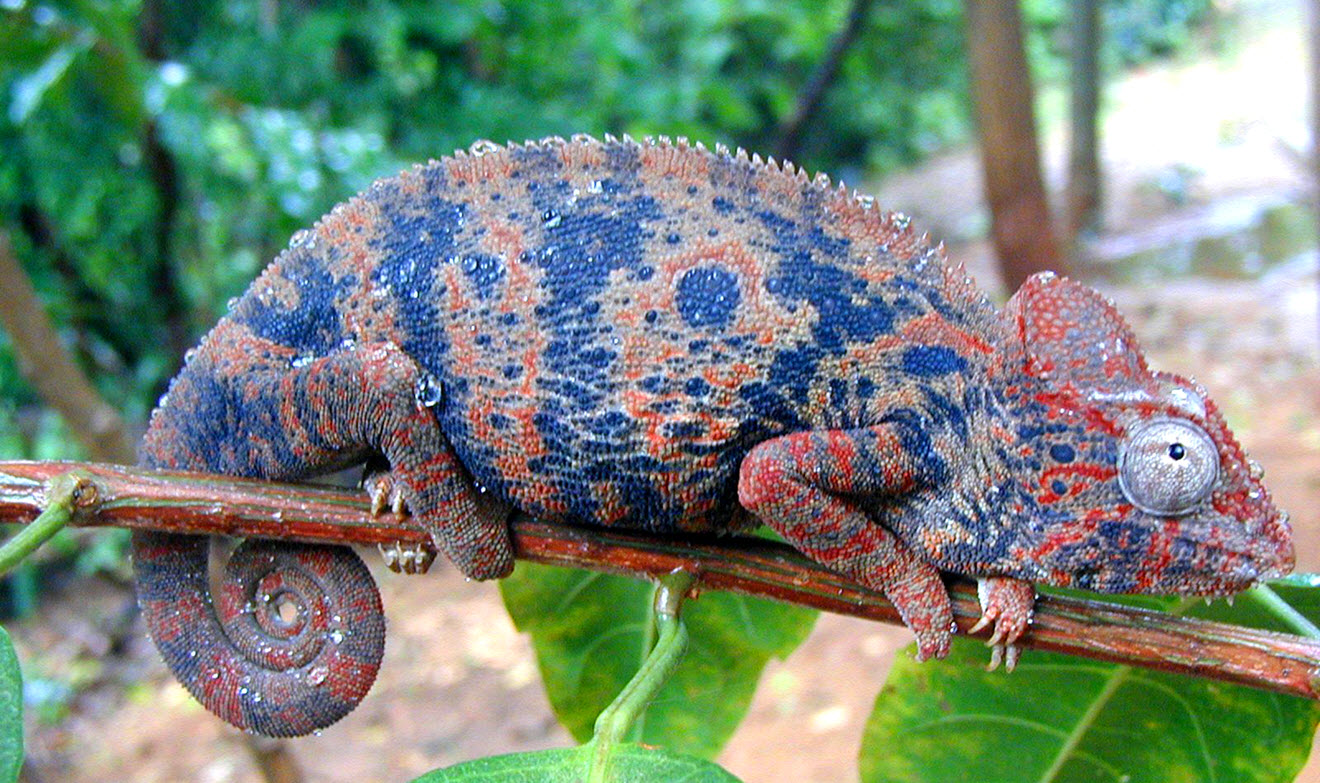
[[731, 377], [934, 329], [1159, 554], [455, 286], [1095, 474]]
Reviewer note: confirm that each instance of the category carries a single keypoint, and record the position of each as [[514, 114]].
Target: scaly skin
[[659, 337]]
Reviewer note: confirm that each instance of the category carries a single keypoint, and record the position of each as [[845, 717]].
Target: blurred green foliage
[[154, 155]]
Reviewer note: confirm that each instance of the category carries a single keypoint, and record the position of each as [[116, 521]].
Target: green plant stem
[[616, 720], [1271, 602], [61, 495]]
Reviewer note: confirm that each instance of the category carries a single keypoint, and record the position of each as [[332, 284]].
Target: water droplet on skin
[[429, 391]]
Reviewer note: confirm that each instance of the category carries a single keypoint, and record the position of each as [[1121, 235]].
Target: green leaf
[[569, 765], [11, 711], [1063, 718], [591, 632]]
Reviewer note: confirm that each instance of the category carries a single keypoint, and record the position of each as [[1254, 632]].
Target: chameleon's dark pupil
[[1177, 451]]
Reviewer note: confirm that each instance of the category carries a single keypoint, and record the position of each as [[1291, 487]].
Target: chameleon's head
[[1136, 483]]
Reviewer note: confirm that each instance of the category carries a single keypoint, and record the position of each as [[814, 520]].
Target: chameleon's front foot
[[1007, 603]]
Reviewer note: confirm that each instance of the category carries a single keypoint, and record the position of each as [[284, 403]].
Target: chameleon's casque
[[661, 337]]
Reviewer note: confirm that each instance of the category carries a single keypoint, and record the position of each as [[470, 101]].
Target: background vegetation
[[154, 155]]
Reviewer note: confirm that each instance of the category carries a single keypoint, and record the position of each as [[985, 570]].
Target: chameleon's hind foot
[[385, 493], [467, 524], [407, 558], [1007, 603]]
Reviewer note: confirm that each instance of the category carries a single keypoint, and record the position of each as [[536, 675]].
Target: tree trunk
[[1084, 209], [1002, 99]]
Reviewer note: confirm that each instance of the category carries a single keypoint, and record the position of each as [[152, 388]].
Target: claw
[[1007, 604], [407, 558], [384, 493]]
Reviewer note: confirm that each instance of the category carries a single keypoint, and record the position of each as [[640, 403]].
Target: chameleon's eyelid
[[1185, 401]]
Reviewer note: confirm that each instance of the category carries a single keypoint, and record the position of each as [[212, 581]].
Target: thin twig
[[813, 94], [196, 503]]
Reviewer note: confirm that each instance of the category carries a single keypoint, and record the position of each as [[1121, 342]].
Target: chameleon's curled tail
[[290, 644]]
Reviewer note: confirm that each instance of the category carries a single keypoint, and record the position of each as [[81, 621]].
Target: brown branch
[[813, 94], [51, 370], [196, 503]]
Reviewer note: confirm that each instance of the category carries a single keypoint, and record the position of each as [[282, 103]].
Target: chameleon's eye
[[1167, 466]]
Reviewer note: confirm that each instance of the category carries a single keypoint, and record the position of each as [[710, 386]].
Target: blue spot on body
[[928, 361], [707, 297], [314, 326]]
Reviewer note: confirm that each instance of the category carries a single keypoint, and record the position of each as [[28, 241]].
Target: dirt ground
[[459, 682]]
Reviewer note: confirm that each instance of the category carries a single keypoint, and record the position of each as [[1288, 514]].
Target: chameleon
[[659, 336]]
